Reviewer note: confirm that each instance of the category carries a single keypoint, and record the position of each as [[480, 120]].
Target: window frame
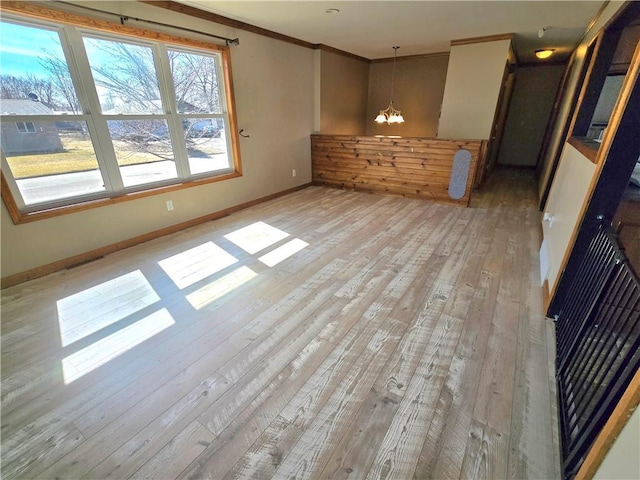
[[602, 50], [37, 15], [25, 125]]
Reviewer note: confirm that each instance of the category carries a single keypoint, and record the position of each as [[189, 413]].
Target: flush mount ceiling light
[[542, 54], [391, 115]]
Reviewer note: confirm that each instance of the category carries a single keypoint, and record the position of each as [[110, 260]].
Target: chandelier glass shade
[[390, 115]]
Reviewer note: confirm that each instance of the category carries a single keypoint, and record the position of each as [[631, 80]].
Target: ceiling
[[370, 29]]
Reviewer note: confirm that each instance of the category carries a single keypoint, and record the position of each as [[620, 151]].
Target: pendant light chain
[[393, 72]]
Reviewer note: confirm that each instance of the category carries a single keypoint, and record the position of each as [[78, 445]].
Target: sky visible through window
[[187, 137], [32, 61], [17, 60]]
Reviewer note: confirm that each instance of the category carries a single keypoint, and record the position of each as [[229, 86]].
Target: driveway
[[55, 187]]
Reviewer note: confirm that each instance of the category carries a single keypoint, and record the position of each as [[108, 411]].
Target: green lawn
[[78, 156]]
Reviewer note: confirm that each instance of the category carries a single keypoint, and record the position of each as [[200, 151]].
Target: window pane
[[206, 144], [125, 77], [57, 161], [144, 151], [196, 82], [35, 79]]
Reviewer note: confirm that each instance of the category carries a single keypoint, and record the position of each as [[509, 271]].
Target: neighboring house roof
[[23, 107]]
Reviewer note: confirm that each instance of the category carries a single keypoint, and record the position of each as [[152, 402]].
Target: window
[[612, 52], [113, 116], [26, 127]]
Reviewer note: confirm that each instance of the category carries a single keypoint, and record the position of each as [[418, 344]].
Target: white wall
[[556, 139], [274, 90], [568, 193], [474, 78], [571, 184], [571, 88], [623, 460]]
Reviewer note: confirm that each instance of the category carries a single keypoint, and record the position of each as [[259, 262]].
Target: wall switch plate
[[169, 205], [293, 172]]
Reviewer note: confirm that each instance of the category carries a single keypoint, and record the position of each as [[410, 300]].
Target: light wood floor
[[406, 340]]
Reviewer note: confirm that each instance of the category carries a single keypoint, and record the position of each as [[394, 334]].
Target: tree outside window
[[150, 114]]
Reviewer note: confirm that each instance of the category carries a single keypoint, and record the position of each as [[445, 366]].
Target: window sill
[[19, 217], [586, 146]]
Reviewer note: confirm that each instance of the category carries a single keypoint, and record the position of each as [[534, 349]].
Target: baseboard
[[69, 262]]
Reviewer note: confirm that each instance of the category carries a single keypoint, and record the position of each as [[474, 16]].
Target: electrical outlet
[[293, 172], [169, 205]]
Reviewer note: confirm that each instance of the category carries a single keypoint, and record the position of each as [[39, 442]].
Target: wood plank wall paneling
[[402, 166]]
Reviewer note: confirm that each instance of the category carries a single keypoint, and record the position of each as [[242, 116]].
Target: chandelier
[[391, 115]]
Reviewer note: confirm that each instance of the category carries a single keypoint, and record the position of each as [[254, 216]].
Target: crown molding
[[247, 27], [488, 38], [411, 57]]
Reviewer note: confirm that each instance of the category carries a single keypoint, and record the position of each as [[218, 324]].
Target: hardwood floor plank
[[438, 287], [531, 436], [486, 455], [309, 454], [99, 416], [328, 245], [443, 451], [29, 459], [220, 415], [101, 401], [493, 405], [264, 395], [369, 317], [213, 463], [398, 453], [177, 454], [349, 460], [125, 430], [304, 407], [555, 461], [286, 317], [250, 423], [47, 366], [401, 339], [265, 455]]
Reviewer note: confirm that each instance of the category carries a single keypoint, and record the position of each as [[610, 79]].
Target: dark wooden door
[[500, 117]]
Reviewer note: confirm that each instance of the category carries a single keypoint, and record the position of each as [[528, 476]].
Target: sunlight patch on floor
[[218, 288], [283, 252], [256, 237], [95, 308], [195, 264], [88, 359]]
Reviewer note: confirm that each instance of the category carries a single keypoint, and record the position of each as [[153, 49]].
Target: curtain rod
[[125, 18]]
